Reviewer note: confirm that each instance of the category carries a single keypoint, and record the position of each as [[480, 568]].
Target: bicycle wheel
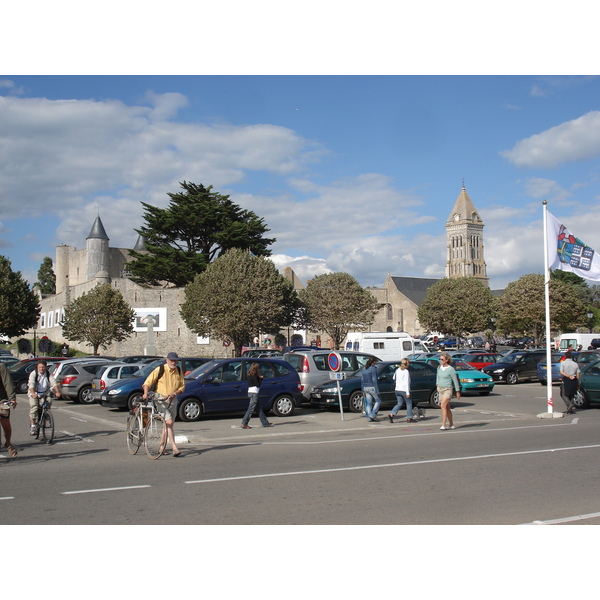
[[47, 427], [134, 434], [155, 436]]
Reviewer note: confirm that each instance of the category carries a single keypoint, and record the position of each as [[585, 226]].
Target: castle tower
[[464, 241], [97, 250]]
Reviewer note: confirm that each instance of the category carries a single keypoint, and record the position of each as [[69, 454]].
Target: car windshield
[[147, 369], [463, 366], [201, 369], [17, 365], [512, 358]]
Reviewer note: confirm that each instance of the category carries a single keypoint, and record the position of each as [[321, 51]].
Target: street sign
[[337, 376], [334, 360]]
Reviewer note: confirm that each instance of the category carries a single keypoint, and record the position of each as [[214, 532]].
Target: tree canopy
[[19, 306], [196, 227], [522, 306], [237, 297], [46, 277], [98, 318], [336, 303], [457, 306]]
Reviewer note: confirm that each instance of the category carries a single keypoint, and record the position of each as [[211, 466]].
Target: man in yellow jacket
[[168, 385]]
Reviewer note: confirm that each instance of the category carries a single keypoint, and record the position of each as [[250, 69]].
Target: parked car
[[111, 373], [422, 379], [220, 386], [8, 359], [19, 371], [261, 353], [470, 378], [75, 380], [482, 360], [447, 343], [313, 368], [124, 393], [589, 385], [586, 356], [475, 341], [542, 368], [58, 367], [137, 358], [521, 366]]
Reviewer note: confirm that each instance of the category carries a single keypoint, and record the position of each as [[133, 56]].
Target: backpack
[[161, 372]]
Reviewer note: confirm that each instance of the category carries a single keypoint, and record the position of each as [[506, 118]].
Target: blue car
[[124, 393], [542, 368], [221, 386]]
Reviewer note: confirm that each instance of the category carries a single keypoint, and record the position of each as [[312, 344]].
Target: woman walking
[[402, 391], [446, 381], [254, 381], [371, 390]]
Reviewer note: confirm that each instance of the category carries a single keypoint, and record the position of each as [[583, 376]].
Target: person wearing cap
[[168, 382]]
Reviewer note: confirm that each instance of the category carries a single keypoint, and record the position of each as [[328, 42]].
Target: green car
[[470, 378], [422, 380], [589, 385]]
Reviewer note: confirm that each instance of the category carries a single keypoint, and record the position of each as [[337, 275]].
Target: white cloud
[[574, 140], [547, 189]]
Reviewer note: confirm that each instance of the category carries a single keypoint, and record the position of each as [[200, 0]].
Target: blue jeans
[[261, 415], [401, 399], [371, 396]]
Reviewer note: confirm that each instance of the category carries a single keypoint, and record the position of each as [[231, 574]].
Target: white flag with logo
[[568, 253]]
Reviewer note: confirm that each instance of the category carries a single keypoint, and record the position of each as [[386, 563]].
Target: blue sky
[[351, 172]]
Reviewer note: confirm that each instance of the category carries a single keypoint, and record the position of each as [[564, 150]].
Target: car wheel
[[283, 406], [484, 393], [356, 402], [434, 399], [580, 400], [22, 387], [85, 395], [190, 410], [134, 399], [543, 382], [512, 378]]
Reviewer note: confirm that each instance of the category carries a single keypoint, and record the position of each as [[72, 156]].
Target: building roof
[[98, 231], [464, 208], [414, 288]]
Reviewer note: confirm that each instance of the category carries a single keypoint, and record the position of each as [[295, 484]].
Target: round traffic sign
[[334, 360]]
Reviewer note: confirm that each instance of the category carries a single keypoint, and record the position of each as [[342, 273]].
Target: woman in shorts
[[446, 382]]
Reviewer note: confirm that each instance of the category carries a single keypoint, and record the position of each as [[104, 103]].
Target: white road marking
[[565, 519], [8, 498], [387, 465], [115, 489], [77, 439]]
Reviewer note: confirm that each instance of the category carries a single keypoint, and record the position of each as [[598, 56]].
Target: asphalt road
[[501, 465]]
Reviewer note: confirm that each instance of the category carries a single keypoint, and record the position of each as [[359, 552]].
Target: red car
[[482, 360]]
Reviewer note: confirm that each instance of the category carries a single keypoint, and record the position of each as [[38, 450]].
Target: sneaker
[[33, 430], [246, 427], [391, 418], [442, 427], [269, 425], [451, 427]]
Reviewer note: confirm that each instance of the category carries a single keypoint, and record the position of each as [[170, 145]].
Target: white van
[[389, 345], [575, 340]]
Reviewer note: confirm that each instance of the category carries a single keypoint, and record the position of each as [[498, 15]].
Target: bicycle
[[45, 421], [145, 424]]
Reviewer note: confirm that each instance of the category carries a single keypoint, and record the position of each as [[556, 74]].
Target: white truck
[[575, 340], [388, 345]]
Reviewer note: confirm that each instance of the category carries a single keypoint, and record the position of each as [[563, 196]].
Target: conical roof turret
[[98, 231]]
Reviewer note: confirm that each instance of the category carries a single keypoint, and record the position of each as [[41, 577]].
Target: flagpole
[[550, 403]]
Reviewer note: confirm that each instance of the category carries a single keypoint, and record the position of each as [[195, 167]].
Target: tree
[[336, 303], [98, 318], [578, 284], [457, 306], [46, 277], [19, 306], [184, 238], [237, 296], [522, 306]]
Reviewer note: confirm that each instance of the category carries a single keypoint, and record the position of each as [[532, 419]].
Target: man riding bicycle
[[40, 383]]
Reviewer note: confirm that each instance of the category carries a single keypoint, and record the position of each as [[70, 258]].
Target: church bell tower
[[464, 240]]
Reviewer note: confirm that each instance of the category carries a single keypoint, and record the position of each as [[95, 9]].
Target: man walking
[[570, 373], [168, 382]]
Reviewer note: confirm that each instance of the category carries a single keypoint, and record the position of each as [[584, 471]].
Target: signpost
[[334, 360]]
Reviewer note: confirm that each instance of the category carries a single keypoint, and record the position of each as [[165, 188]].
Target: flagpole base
[[551, 415]]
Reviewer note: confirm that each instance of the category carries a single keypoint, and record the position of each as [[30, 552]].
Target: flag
[[568, 253]]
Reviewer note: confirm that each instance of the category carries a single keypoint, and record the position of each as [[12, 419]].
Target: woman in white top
[[402, 391]]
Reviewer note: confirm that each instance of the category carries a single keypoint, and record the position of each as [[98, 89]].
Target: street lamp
[[590, 316]]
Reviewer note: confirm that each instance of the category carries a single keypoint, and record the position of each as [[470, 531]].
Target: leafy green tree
[[522, 306], [237, 296], [184, 238], [19, 306], [457, 306], [578, 284], [336, 304], [46, 277], [98, 318]]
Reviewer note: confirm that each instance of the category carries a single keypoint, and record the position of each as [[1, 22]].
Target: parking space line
[[115, 489], [565, 519], [388, 465]]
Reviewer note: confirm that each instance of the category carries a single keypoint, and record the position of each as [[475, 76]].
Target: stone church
[[78, 271]]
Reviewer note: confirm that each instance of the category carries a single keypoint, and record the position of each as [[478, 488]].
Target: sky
[[354, 166]]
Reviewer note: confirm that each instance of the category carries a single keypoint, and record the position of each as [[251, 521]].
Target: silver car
[[110, 374], [313, 369]]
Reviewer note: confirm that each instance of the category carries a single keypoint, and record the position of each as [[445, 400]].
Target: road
[[501, 465]]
